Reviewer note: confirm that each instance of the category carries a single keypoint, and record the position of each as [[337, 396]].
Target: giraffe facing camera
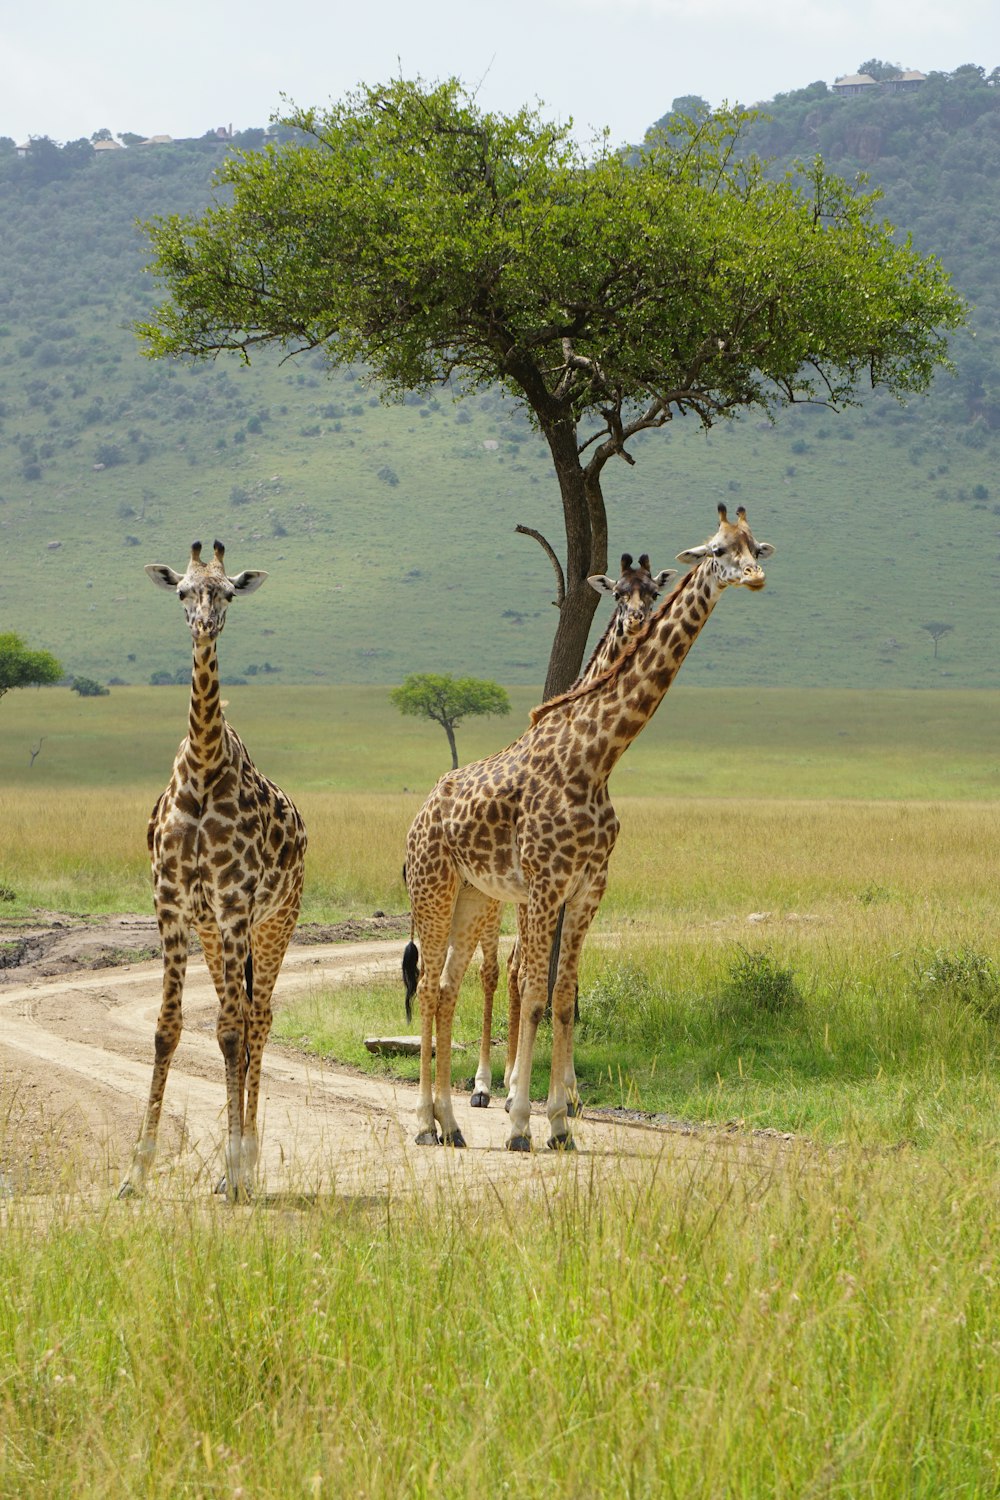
[[227, 849]]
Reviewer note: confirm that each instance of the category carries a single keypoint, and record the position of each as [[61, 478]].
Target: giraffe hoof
[[127, 1190], [428, 1138], [235, 1195], [562, 1143], [456, 1138], [519, 1143], [574, 1108], [506, 1104], [480, 1100]]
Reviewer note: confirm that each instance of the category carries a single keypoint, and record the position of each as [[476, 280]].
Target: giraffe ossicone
[[534, 824], [227, 849]]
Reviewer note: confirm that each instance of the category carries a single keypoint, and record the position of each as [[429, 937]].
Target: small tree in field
[[936, 629], [448, 700], [87, 687], [20, 667]]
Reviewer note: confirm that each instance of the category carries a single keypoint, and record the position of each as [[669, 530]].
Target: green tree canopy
[[20, 667], [448, 700], [408, 229]]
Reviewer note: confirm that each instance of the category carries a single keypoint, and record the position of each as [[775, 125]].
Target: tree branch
[[553, 559]]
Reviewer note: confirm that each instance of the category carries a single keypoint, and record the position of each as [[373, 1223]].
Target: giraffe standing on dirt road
[[534, 824], [227, 849], [635, 591]]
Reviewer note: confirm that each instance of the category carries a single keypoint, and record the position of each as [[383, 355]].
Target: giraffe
[[635, 591], [227, 849], [534, 824]]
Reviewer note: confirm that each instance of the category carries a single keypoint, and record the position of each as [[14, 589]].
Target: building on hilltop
[[906, 82], [863, 83], [854, 83]]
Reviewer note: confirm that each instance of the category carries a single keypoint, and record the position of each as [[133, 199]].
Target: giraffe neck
[[605, 653], [206, 721], [605, 718]]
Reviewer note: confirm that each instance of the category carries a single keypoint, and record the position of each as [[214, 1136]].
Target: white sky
[[177, 67]]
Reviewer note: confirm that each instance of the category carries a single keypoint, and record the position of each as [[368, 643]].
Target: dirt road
[[75, 1059]]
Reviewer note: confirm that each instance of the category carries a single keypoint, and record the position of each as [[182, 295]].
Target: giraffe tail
[[411, 960], [248, 981], [411, 966]]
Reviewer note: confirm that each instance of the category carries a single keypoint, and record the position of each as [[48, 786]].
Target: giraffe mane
[[612, 674]]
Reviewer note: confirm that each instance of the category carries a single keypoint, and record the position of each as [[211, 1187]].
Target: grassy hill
[[389, 531]]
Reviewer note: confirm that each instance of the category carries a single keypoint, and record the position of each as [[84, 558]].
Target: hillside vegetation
[[389, 531]]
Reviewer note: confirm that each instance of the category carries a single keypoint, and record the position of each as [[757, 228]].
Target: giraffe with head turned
[[227, 850], [534, 824], [634, 592]]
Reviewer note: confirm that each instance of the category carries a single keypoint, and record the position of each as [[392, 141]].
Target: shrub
[[757, 986], [622, 1001], [966, 976], [87, 687]]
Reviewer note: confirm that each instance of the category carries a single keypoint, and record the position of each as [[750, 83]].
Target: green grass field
[[818, 1319]]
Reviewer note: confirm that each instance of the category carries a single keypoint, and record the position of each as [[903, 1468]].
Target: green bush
[[966, 976], [758, 986]]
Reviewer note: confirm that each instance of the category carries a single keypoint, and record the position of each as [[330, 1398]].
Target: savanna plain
[[795, 976]]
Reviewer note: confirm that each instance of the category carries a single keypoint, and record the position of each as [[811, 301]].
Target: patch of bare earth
[[78, 1005]]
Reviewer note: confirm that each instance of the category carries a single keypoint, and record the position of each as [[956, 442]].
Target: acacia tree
[[448, 700], [407, 229], [936, 629], [21, 667]]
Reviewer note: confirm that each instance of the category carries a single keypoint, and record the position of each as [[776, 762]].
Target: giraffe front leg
[[563, 1099], [513, 1016], [537, 930], [168, 1030]]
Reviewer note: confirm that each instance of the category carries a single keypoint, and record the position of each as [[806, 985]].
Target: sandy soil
[[78, 1004]]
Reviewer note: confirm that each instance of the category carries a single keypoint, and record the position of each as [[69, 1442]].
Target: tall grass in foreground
[[778, 1323]]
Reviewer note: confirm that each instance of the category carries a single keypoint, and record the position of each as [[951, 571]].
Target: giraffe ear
[[162, 576], [764, 551], [664, 576], [694, 554], [246, 582], [602, 583]]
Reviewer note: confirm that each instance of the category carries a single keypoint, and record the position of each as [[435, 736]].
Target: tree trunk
[[454, 748], [586, 529]]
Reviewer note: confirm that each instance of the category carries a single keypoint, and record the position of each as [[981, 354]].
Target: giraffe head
[[205, 590], [734, 552], [635, 592]]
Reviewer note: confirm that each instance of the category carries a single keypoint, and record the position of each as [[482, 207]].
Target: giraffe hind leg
[[489, 940], [210, 939], [268, 944]]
